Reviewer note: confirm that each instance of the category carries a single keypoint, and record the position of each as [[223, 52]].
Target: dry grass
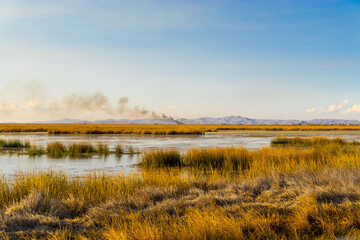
[[157, 128], [161, 158], [222, 193], [313, 141], [36, 151], [74, 150], [119, 150], [231, 158], [14, 144], [167, 204], [107, 129], [56, 149], [262, 161], [59, 150]]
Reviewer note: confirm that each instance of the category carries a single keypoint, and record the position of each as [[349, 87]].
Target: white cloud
[[311, 110], [330, 109], [33, 103], [355, 108]]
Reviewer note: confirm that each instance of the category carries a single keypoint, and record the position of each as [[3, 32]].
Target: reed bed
[[14, 144], [102, 148], [313, 141], [161, 158], [168, 204], [119, 150], [158, 129], [107, 129], [36, 151], [261, 161], [131, 150], [232, 158], [58, 150]]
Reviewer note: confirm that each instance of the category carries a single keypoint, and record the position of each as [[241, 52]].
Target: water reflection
[[112, 163]]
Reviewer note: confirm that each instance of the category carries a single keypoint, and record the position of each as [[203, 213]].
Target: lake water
[[10, 164]]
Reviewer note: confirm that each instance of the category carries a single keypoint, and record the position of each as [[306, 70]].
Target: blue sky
[[260, 59]]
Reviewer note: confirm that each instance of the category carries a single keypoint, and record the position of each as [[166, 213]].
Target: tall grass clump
[[131, 150], [219, 158], [36, 151], [14, 143], [119, 150], [161, 158], [102, 148], [56, 149], [81, 149]]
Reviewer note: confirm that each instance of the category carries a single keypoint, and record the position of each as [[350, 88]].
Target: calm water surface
[[10, 164]]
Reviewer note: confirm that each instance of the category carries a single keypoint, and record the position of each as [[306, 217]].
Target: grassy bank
[[167, 204], [158, 129], [258, 162]]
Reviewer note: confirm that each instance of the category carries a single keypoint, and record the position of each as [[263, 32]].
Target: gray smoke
[[136, 111], [94, 102], [99, 102], [32, 102]]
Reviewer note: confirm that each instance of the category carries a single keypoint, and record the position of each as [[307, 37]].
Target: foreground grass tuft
[[237, 158], [168, 204]]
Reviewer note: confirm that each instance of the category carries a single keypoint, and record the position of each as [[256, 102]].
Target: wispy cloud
[[333, 108]]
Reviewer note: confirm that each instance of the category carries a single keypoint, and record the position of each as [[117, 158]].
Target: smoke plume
[[98, 102], [32, 105]]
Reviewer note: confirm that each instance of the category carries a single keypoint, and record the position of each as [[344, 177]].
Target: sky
[[102, 59]]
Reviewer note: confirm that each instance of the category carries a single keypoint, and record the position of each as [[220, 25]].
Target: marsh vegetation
[[308, 142], [319, 153], [166, 204], [60, 150], [306, 190], [14, 144], [157, 129]]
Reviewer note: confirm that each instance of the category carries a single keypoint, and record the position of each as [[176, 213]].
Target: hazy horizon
[[184, 59]]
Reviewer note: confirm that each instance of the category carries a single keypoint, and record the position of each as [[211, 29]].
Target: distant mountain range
[[237, 120]]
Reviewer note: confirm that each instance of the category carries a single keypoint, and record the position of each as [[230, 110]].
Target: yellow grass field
[[159, 129]]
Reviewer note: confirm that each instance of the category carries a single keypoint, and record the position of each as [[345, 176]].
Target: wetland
[[232, 184]]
